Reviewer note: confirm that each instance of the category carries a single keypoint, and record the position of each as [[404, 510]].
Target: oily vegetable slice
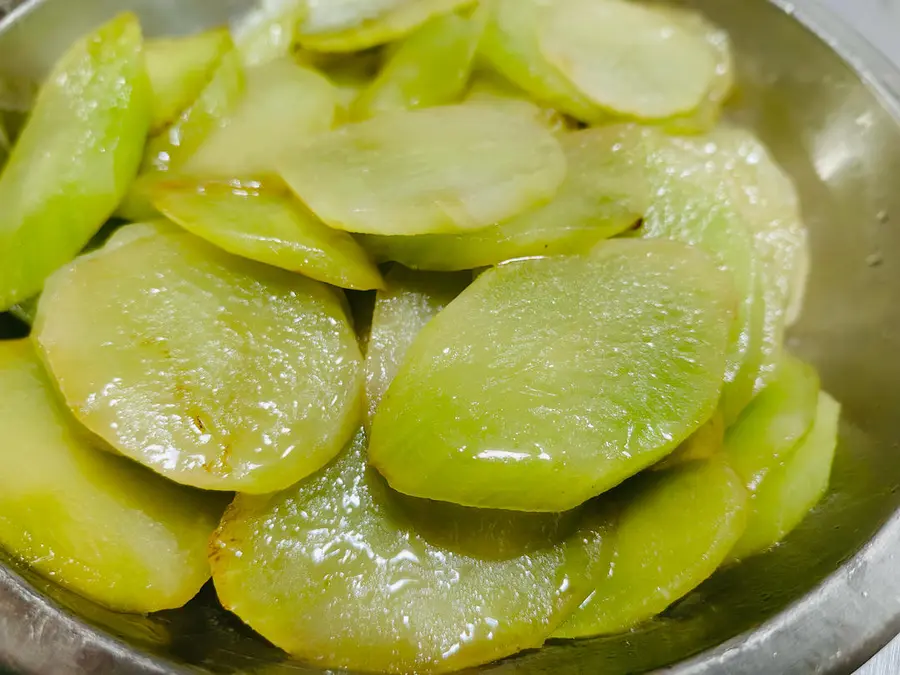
[[157, 345], [793, 487], [283, 105], [708, 441], [75, 157], [430, 67], [332, 570], [269, 31], [603, 194], [92, 521], [444, 169], [628, 58], [409, 301], [549, 381], [270, 228], [674, 530]]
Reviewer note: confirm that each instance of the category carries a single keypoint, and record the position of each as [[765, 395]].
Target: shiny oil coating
[[92, 521], [445, 169], [331, 571], [215, 371], [549, 381]]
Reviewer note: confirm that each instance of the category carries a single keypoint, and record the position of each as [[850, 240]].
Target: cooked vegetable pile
[[476, 307]]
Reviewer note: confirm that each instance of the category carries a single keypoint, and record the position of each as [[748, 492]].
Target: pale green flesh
[[274, 229], [602, 195], [771, 426], [793, 486], [626, 57], [410, 300], [675, 529], [284, 105], [157, 345], [549, 381], [269, 32], [331, 570], [444, 169], [75, 157], [92, 521], [354, 25], [708, 441], [430, 67], [179, 68]]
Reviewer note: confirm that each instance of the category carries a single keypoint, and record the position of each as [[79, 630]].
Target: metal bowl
[[826, 599]]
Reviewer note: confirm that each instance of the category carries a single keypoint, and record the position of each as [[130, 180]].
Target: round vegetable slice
[[674, 530], [626, 57], [794, 486], [445, 169], [273, 229], [603, 194], [410, 301], [334, 571], [90, 520], [212, 370], [549, 381]]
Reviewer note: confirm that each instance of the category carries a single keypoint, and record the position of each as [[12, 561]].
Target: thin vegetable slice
[[675, 529], [793, 487], [92, 521], [75, 158], [273, 229], [603, 194], [334, 571], [430, 67], [212, 370], [510, 46], [489, 88], [629, 58], [445, 169], [354, 25], [179, 69], [283, 106], [549, 381], [410, 300], [269, 32], [705, 443]]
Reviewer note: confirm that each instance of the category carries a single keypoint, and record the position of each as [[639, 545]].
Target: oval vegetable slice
[[284, 104], [75, 158], [674, 530], [410, 300], [212, 370], [270, 228], [353, 25], [430, 67], [549, 381], [445, 169], [794, 486], [603, 193], [332, 570], [92, 521], [626, 57]]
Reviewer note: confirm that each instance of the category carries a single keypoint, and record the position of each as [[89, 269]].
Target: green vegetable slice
[[708, 441], [629, 58], [489, 88], [354, 25], [603, 194], [284, 105], [410, 300], [333, 570], [274, 229], [510, 46], [430, 67], [75, 158], [92, 521], [444, 169], [212, 370], [179, 69], [794, 486], [675, 529], [269, 32], [549, 381]]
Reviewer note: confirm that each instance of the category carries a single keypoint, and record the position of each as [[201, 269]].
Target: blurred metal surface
[[825, 600]]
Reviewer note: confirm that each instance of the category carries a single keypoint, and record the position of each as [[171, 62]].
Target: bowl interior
[[840, 141]]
